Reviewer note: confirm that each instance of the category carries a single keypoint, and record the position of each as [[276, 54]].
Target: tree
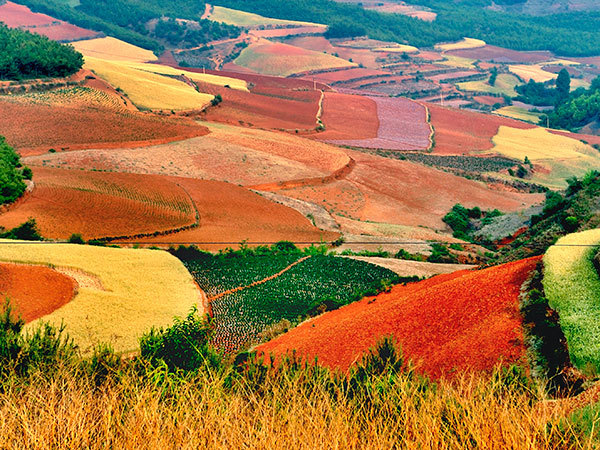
[[563, 85], [493, 76]]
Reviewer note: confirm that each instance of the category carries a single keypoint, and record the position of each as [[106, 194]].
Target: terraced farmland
[[505, 85], [572, 286], [136, 289], [241, 316], [447, 325], [113, 49]]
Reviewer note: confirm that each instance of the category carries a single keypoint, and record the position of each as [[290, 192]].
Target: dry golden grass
[[505, 84], [113, 49], [518, 113], [217, 80], [399, 48], [465, 44], [248, 20], [148, 90], [122, 292], [288, 412]]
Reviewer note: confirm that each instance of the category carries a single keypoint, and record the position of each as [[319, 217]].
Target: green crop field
[[572, 287], [241, 316]]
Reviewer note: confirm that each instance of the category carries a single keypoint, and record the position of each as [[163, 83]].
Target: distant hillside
[[544, 7]]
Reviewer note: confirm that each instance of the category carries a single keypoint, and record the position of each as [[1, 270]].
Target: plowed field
[[34, 291], [98, 205], [502, 55], [74, 119], [446, 325]]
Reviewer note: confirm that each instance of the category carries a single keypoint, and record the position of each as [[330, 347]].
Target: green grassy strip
[[572, 287]]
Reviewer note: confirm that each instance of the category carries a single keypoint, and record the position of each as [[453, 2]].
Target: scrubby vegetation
[[573, 210], [577, 109], [12, 174], [243, 306], [25, 55], [464, 221]]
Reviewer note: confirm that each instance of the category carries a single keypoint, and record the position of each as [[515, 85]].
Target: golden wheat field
[[148, 90], [122, 293], [246, 19], [113, 49], [465, 44], [532, 72]]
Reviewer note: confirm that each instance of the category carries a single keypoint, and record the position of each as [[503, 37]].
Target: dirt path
[[257, 283]]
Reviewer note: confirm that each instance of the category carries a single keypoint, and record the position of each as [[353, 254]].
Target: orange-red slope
[[459, 132], [34, 291], [445, 325]]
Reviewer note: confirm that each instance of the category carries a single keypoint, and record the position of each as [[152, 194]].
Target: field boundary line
[[257, 283], [338, 175], [428, 121]]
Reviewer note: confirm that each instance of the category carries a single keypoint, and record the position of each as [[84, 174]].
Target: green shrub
[[27, 231], [76, 238], [11, 179]]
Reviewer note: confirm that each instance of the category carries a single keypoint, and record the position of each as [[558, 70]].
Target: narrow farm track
[[257, 283], [428, 120], [338, 175]]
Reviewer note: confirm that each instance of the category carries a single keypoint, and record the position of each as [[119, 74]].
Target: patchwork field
[[237, 155], [19, 16], [79, 118], [465, 44], [447, 325], [136, 289], [560, 157], [503, 55], [459, 132], [280, 59], [572, 286], [34, 291], [99, 205], [402, 126], [240, 316]]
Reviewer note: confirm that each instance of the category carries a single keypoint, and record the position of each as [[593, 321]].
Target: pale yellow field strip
[[465, 44], [137, 289], [532, 72], [400, 48], [114, 50], [246, 19]]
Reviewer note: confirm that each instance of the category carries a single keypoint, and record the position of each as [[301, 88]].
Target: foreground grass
[[295, 408]]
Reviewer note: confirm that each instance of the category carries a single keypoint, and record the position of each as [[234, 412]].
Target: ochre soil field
[[348, 117], [98, 204], [459, 132], [502, 55], [488, 100], [18, 16], [34, 291], [401, 192], [238, 155], [447, 325], [34, 124], [271, 109], [341, 76], [402, 126], [230, 214]]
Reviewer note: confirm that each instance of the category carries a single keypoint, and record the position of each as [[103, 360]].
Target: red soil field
[[34, 128], [341, 76], [283, 32], [98, 204], [402, 126], [453, 75], [589, 138], [430, 56], [230, 214], [274, 108], [316, 43], [34, 291], [459, 132], [488, 100], [503, 55], [18, 16], [348, 117], [386, 190], [447, 325]]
